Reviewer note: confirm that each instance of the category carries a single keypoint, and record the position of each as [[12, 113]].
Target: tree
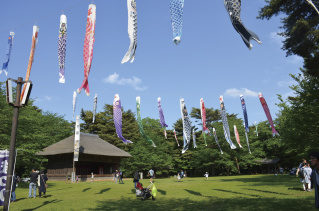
[[301, 30]]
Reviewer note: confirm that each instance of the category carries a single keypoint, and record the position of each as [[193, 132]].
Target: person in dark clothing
[[15, 180], [33, 183], [136, 177], [314, 159], [43, 181]]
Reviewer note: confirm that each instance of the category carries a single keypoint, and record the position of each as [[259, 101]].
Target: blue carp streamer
[[176, 9], [8, 53]]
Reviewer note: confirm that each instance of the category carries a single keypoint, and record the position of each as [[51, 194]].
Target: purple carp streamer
[[225, 122], [132, 31], [176, 138], [161, 115], [216, 139], [8, 54], [313, 5], [88, 47], [176, 9], [74, 102], [237, 136], [243, 104], [194, 139], [117, 116], [94, 107], [267, 112], [187, 127], [233, 8], [62, 47], [139, 122]]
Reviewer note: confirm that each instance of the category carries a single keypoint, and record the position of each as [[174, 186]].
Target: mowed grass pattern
[[258, 192]]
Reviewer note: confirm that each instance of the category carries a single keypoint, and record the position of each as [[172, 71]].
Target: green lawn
[[261, 192]]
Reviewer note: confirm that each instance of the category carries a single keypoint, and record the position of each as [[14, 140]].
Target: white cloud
[[274, 37], [286, 83], [134, 81], [44, 99], [243, 91]]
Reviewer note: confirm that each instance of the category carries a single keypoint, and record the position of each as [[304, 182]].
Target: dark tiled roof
[[89, 144]]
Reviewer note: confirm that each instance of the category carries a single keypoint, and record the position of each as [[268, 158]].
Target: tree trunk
[[237, 166]]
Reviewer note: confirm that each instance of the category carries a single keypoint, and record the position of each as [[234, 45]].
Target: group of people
[[118, 176], [180, 175], [37, 179], [136, 176]]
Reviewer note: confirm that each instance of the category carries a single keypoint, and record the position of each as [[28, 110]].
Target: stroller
[[146, 192]]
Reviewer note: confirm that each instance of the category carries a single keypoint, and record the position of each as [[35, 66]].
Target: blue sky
[[210, 61]]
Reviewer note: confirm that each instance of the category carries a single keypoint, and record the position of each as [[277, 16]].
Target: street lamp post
[[16, 106]]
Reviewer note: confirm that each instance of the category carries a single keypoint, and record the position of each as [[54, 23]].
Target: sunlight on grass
[[262, 192]]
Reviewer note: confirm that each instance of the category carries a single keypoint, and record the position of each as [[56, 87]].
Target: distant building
[[96, 155]]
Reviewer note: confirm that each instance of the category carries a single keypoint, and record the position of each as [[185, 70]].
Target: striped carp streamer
[[161, 115], [267, 112], [117, 116], [225, 122], [203, 116], [74, 102], [313, 5], [243, 104], [139, 122], [233, 8], [94, 107], [187, 127], [31, 58], [8, 53], [237, 136], [132, 31], [62, 47], [194, 139], [232, 145], [176, 138], [216, 139], [88, 47], [176, 9]]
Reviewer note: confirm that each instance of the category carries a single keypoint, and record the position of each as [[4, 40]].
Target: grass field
[[261, 192]]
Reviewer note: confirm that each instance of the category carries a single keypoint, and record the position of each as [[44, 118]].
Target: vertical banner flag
[[4, 158], [8, 53], [161, 115], [225, 122], [194, 139], [117, 117], [139, 121], [77, 138], [94, 107], [243, 105], [187, 127], [132, 31], [203, 116], [237, 136], [74, 102], [62, 47], [31, 58], [88, 47], [176, 138], [176, 8], [216, 139], [256, 126], [267, 112]]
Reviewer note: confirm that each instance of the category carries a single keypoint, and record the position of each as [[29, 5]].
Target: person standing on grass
[[309, 171], [15, 180], [116, 176], [151, 174], [121, 176], [178, 177], [43, 181], [314, 159], [136, 177], [92, 177], [33, 183], [206, 175], [300, 166], [77, 179]]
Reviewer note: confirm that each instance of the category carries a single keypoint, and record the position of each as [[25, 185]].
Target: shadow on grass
[[266, 191], [59, 189], [20, 199], [133, 191], [104, 190], [86, 189], [196, 193], [216, 204], [44, 203], [244, 194], [163, 192]]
